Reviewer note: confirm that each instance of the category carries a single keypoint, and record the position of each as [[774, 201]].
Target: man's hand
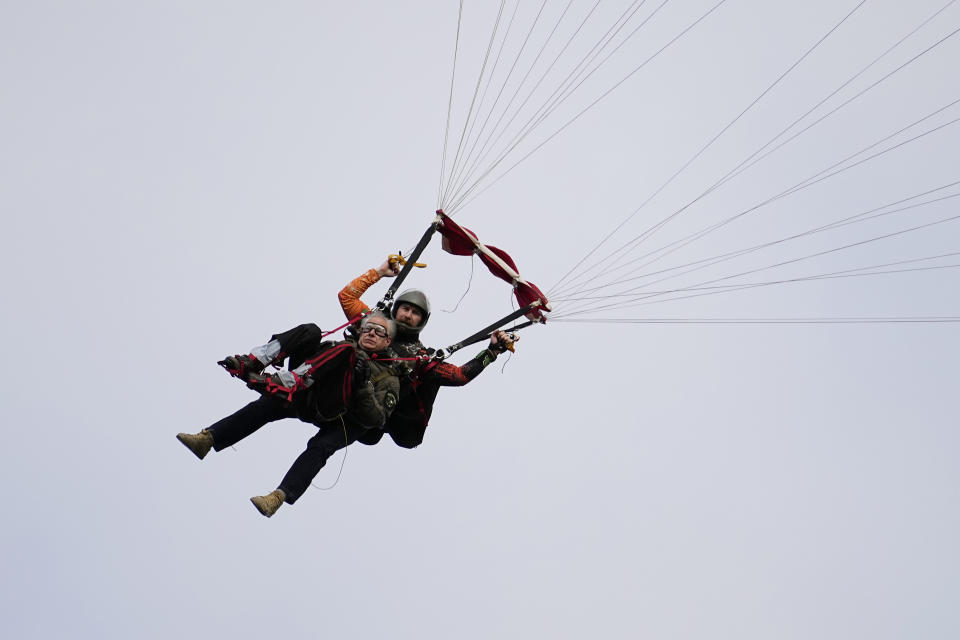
[[501, 341], [389, 269], [361, 372]]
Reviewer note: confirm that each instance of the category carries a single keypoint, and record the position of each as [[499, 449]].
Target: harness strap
[[481, 335], [344, 325]]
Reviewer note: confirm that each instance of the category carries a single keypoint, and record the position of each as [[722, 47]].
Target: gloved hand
[[500, 341], [361, 372]]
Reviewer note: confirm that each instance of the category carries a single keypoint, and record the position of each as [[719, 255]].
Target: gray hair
[[387, 321]]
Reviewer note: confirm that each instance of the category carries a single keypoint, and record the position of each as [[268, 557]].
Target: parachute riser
[[484, 333], [528, 323], [411, 261]]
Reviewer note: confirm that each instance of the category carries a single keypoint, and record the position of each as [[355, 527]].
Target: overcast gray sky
[[183, 179]]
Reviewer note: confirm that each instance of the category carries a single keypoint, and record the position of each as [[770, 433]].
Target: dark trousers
[[300, 343], [329, 439], [248, 420]]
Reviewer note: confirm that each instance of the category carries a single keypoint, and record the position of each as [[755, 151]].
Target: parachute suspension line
[[343, 460], [812, 178], [837, 249], [590, 304], [730, 288], [903, 320], [516, 92], [562, 92], [836, 275], [729, 175], [526, 76], [651, 230], [707, 262], [573, 317], [469, 195], [856, 272], [552, 291], [579, 74], [688, 239], [637, 295], [547, 71], [643, 299], [746, 163], [817, 177], [446, 132], [455, 176], [473, 101], [570, 84], [716, 259], [803, 184], [740, 170], [469, 283], [464, 159], [506, 362]]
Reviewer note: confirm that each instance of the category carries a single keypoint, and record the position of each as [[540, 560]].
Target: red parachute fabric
[[460, 241]]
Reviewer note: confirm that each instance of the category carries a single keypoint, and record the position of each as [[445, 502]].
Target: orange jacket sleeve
[[349, 296]]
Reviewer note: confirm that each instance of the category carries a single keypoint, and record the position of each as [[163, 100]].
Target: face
[[370, 335], [408, 314]]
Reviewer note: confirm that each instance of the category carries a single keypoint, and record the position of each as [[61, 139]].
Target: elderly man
[[419, 384], [345, 389]]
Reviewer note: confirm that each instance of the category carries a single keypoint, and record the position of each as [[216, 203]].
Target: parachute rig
[[460, 241]]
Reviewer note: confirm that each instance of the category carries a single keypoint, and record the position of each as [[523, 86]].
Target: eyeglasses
[[377, 329]]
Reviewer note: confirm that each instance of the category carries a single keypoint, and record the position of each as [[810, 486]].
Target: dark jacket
[[419, 381], [373, 402], [331, 367]]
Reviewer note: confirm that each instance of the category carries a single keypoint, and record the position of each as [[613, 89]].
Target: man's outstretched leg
[[320, 447], [299, 344], [199, 443], [235, 427]]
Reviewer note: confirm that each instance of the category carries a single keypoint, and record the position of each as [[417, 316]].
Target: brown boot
[[268, 504], [199, 443]]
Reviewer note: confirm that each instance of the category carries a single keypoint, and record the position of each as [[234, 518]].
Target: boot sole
[[262, 512], [192, 450]]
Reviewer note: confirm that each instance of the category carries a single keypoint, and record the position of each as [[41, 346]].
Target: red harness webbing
[[344, 325], [327, 356]]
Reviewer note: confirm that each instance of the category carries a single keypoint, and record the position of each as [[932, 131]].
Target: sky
[[182, 180]]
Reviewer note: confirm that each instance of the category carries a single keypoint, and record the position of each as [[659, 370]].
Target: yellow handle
[[395, 258]]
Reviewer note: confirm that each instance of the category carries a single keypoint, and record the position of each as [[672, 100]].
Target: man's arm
[[349, 296], [450, 375]]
